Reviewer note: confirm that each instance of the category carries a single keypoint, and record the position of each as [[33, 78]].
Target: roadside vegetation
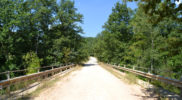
[[35, 33], [48, 84], [135, 38], [126, 77]]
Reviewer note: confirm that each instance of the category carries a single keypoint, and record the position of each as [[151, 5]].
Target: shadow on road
[[88, 65], [26, 98], [160, 93]]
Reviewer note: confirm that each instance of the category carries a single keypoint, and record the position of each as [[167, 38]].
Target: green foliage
[[89, 45], [32, 62], [134, 40], [48, 28], [111, 43], [157, 10]]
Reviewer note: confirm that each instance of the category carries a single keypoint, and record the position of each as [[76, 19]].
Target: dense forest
[[35, 33], [148, 41]]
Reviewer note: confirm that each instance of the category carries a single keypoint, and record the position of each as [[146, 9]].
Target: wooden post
[[133, 67], [149, 71], [52, 69], [8, 78], [181, 88], [38, 70], [8, 75]]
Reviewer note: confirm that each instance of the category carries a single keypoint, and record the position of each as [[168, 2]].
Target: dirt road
[[92, 82]]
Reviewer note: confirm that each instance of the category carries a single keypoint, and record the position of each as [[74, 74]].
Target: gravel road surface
[[92, 82]]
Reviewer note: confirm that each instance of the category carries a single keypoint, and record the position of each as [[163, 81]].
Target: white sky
[[178, 2]]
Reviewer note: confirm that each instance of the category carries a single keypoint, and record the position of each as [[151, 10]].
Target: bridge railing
[[7, 86], [174, 82], [8, 74]]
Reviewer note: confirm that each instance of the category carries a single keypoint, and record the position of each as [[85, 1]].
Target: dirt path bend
[[92, 82]]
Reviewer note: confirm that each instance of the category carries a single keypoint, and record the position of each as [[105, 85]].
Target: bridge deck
[[92, 82]]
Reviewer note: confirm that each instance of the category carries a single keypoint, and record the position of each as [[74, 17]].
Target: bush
[[32, 62]]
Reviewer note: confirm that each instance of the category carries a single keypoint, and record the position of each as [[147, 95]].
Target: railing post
[[8, 78], [124, 66], [38, 70], [66, 67], [52, 69], [181, 88], [8, 75], [133, 67], [149, 71]]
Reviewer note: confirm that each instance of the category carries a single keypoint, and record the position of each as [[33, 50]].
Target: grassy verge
[[45, 84], [126, 77], [154, 91]]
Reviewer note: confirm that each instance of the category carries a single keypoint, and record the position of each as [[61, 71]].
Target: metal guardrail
[[6, 83], [149, 70], [174, 82], [167, 80]]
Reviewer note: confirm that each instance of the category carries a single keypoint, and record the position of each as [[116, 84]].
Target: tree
[[32, 62], [153, 46], [161, 9], [116, 35], [43, 28]]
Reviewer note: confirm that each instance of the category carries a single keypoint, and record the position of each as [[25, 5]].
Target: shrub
[[32, 62]]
